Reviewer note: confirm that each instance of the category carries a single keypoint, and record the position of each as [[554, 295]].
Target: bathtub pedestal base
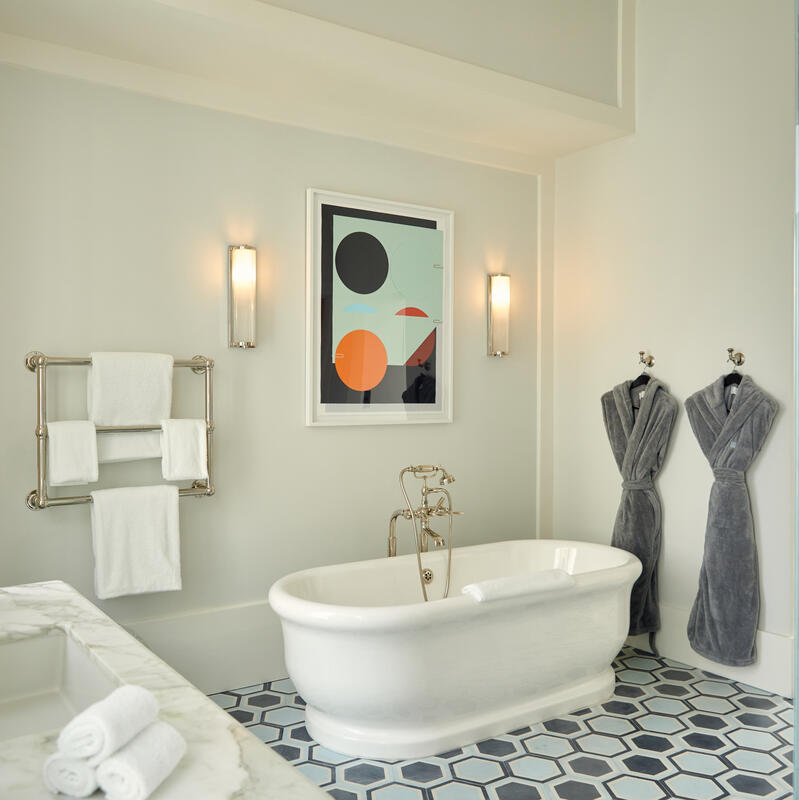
[[393, 742]]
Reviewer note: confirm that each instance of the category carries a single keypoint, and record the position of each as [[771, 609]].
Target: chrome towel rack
[[38, 362]]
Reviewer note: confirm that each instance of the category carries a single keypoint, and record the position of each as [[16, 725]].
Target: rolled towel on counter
[[137, 770], [71, 452], [109, 724], [70, 776], [184, 449]]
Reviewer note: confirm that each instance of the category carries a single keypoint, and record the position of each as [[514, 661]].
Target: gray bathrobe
[[639, 423], [731, 427]]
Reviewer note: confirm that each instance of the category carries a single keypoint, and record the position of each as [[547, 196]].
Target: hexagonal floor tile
[[665, 705], [513, 790], [645, 765], [256, 687], [320, 774], [534, 768], [705, 741], [601, 745], [677, 675], [762, 703], [648, 741], [284, 716], [751, 720], [716, 688], [617, 726], [567, 727], [224, 700], [629, 788], [396, 791], [702, 763], [284, 685], [636, 676], [266, 733], [577, 790], [660, 724], [322, 755], [364, 774], [641, 662], [500, 748], [753, 761], [339, 793], [478, 770], [752, 785], [543, 744], [457, 791], [712, 705], [695, 787], [264, 700], [590, 765], [756, 740]]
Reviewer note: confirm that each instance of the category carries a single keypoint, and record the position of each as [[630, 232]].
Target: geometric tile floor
[[669, 731]]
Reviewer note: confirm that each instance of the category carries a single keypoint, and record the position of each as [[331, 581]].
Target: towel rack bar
[[38, 362], [33, 500], [32, 360]]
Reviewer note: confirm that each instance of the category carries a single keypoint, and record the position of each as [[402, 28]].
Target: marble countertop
[[223, 759]]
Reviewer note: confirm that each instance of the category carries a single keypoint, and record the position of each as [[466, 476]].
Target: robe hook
[[647, 359], [736, 358]]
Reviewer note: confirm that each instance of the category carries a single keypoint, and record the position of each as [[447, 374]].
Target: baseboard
[[224, 648], [218, 648], [772, 672]]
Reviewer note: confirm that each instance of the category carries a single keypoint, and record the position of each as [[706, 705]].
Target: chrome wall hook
[[647, 359], [736, 358]]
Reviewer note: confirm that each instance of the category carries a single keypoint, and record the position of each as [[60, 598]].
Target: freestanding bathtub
[[384, 675]]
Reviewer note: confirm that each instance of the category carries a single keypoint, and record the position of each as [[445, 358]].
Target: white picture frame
[[390, 245]]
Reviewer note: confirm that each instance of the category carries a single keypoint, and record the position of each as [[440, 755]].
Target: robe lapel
[[638, 427], [746, 401]]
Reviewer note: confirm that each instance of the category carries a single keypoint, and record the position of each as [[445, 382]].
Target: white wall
[[115, 215], [678, 240]]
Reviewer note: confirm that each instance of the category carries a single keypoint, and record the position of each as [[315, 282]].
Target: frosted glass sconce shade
[[498, 315], [241, 295]]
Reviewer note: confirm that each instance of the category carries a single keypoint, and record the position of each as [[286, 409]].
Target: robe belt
[[727, 475], [643, 484]]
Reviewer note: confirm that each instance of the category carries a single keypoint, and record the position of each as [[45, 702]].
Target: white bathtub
[[385, 675]]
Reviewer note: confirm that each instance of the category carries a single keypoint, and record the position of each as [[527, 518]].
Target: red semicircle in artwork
[[410, 311]]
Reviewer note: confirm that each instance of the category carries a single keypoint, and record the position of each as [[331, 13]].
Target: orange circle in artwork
[[361, 360]]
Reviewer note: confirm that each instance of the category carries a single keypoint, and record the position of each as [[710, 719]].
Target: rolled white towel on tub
[[109, 724], [141, 766], [72, 776], [548, 581]]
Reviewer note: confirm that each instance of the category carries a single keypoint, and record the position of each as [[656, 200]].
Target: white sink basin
[[44, 681]]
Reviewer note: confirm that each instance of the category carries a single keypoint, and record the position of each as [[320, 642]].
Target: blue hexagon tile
[[669, 731]]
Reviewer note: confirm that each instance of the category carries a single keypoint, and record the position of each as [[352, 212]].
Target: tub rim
[[328, 616]]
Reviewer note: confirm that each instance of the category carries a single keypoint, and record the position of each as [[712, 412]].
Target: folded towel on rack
[[130, 388], [136, 771], [107, 725], [113, 447], [70, 776], [135, 537], [71, 452], [184, 449]]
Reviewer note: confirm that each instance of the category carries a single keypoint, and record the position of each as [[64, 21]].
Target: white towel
[[71, 452], [107, 725], [130, 388], [135, 537], [137, 770], [548, 581], [113, 447], [184, 449], [71, 776]]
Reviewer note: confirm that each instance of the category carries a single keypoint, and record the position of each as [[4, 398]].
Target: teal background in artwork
[[413, 280]]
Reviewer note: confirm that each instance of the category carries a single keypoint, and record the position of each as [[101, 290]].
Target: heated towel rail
[[38, 363]]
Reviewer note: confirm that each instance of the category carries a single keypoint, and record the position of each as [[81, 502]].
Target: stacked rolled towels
[[117, 744]]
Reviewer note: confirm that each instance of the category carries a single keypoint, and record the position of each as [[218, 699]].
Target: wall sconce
[[241, 296], [498, 315]]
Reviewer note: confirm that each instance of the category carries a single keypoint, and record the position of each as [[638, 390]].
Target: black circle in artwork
[[361, 262]]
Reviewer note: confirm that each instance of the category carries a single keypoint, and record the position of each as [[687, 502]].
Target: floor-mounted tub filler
[[387, 675]]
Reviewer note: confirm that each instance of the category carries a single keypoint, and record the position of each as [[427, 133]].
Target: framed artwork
[[378, 312]]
